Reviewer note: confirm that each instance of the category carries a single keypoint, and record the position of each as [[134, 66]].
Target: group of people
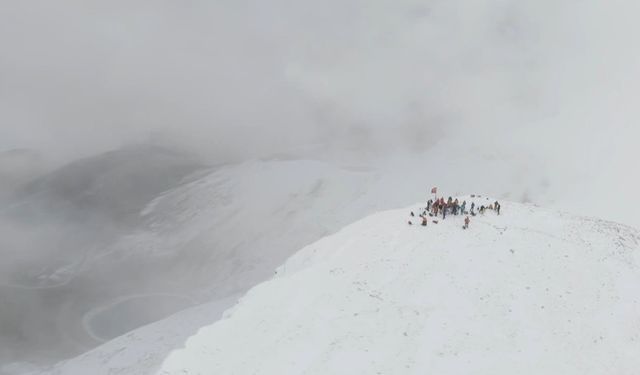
[[452, 206]]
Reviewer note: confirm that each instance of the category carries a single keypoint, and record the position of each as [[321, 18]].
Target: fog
[[238, 79], [549, 87]]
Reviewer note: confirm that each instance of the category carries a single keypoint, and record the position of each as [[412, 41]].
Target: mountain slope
[[54, 234], [530, 291], [214, 238], [208, 239]]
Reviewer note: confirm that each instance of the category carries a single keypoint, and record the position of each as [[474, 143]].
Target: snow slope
[[211, 238], [530, 291], [56, 234]]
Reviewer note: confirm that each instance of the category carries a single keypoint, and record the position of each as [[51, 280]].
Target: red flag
[[434, 190]]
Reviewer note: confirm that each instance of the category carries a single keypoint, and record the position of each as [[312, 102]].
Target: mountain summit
[[529, 291]]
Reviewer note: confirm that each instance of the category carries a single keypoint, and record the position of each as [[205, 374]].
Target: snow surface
[[223, 233], [213, 238], [530, 291]]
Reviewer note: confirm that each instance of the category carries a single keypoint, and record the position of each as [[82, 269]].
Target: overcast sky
[[557, 79]]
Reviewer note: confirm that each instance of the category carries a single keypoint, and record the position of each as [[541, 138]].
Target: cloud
[[555, 80]]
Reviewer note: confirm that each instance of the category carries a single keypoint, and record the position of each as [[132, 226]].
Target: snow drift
[[530, 291]]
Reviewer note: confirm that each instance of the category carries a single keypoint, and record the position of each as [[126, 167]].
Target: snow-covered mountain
[[532, 290], [55, 234], [529, 291], [209, 241], [111, 243]]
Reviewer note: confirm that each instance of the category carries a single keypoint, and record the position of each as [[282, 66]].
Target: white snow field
[[216, 235], [532, 291]]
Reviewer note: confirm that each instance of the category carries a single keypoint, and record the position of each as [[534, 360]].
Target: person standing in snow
[[497, 206], [466, 222], [463, 208], [429, 202]]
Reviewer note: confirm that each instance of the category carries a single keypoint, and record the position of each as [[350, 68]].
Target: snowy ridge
[[221, 234], [212, 236], [530, 291]]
